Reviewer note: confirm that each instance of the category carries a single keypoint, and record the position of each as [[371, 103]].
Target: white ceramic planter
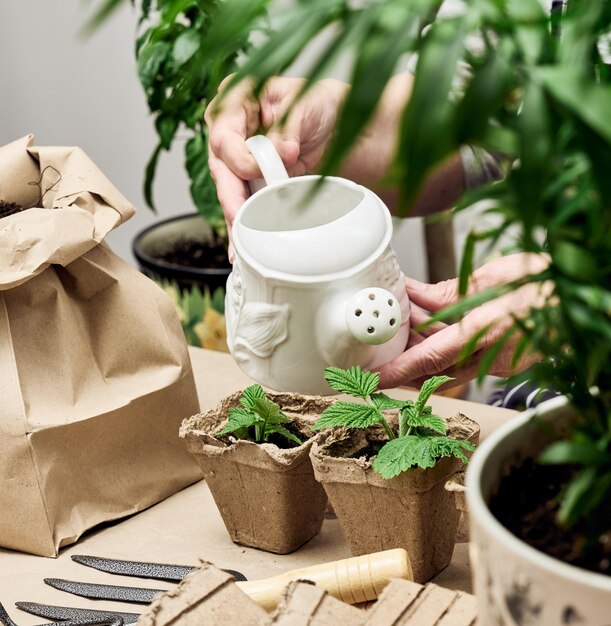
[[516, 584]]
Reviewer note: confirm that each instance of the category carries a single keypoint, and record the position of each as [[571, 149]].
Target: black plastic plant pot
[[153, 243]]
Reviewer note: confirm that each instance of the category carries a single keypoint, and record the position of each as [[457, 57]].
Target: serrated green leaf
[[409, 451], [353, 381], [269, 411], [250, 395], [429, 421], [428, 388], [403, 453], [384, 403], [238, 418], [348, 414]]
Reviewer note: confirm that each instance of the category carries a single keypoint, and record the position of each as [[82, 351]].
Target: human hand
[[437, 348], [300, 141]]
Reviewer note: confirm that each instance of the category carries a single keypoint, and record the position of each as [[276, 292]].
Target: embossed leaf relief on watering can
[[315, 281]]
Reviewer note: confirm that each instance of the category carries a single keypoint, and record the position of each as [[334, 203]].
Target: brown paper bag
[[95, 376]]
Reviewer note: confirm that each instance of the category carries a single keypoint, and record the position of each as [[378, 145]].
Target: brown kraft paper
[[95, 377]]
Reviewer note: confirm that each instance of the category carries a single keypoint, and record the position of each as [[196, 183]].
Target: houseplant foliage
[[178, 78], [538, 91]]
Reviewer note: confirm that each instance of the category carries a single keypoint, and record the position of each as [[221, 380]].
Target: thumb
[[432, 297]]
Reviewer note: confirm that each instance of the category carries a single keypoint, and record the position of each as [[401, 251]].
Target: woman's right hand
[[300, 141]]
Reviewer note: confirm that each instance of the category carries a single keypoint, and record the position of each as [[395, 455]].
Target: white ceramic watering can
[[315, 282]]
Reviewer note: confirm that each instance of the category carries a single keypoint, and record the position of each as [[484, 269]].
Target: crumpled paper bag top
[[76, 206]]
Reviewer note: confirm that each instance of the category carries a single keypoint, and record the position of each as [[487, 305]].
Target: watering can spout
[[373, 315]]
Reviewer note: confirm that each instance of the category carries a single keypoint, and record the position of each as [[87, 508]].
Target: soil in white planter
[[527, 503], [9, 208]]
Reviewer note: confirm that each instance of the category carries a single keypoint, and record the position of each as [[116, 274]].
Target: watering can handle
[[268, 160]]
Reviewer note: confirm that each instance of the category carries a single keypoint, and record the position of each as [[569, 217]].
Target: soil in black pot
[[527, 503], [9, 208], [196, 253]]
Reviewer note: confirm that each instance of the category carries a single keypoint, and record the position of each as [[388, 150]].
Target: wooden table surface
[[187, 527]]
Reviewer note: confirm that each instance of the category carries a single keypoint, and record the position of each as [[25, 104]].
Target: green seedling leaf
[[348, 414], [428, 388], [353, 381], [239, 419], [269, 411], [259, 413], [250, 395], [409, 451], [384, 403], [426, 420]]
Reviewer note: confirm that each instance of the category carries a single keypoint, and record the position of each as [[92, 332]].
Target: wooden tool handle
[[358, 579]]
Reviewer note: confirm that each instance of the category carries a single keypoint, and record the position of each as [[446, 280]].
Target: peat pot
[[414, 510], [267, 496], [516, 584]]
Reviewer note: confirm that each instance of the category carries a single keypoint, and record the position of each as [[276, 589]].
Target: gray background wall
[[73, 91]]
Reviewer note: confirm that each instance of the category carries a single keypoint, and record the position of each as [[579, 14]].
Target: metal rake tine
[[5, 620]]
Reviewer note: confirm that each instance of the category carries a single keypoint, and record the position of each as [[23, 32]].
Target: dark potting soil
[[527, 503], [9, 208], [282, 442], [196, 253]]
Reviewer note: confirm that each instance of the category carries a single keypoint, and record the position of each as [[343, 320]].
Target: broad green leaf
[[573, 452], [269, 411], [591, 103], [185, 46], [428, 388], [353, 381], [202, 188], [166, 129], [349, 415], [238, 418], [150, 60], [574, 260], [250, 395]]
